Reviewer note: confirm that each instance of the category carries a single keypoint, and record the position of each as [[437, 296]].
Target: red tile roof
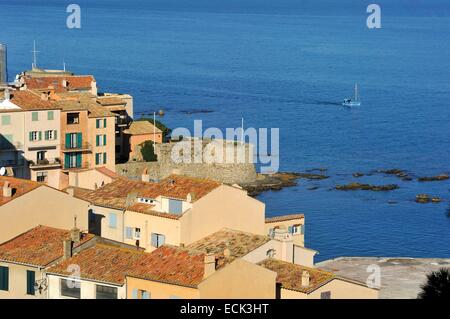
[[19, 187], [107, 172], [30, 101], [178, 187], [284, 218], [39, 246], [73, 82], [106, 263], [174, 265]]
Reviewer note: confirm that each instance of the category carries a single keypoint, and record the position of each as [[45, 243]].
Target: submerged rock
[[366, 187], [272, 182], [423, 198], [397, 172], [441, 177]]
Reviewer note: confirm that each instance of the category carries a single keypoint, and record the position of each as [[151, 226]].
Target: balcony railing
[[83, 165], [46, 162], [76, 147]]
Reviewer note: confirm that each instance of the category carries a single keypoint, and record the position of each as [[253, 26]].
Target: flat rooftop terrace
[[401, 278]]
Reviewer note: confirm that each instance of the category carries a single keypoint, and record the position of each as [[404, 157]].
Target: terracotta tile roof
[[80, 102], [239, 244], [284, 218], [39, 246], [107, 172], [30, 101], [73, 82], [179, 186], [174, 265], [114, 194], [19, 187], [148, 210], [110, 101], [121, 193], [289, 275], [141, 128], [105, 263]]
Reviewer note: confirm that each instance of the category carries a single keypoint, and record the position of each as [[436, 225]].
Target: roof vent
[[7, 95], [7, 190], [306, 278]]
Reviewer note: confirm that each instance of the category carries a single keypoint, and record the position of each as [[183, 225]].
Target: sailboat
[[355, 101]]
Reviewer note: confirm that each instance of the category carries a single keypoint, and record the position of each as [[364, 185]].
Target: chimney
[[305, 278], [145, 176], [210, 265], [227, 252], [67, 248], [70, 191], [75, 235], [7, 190], [44, 96], [190, 197], [7, 94]]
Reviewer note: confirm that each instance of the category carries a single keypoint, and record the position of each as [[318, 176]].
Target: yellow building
[[293, 224], [24, 204], [24, 259], [176, 210], [300, 282]]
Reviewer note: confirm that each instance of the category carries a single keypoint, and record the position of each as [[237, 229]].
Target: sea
[[285, 64]]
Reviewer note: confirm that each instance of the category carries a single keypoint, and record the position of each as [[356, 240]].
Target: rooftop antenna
[[64, 65], [242, 131], [34, 64]]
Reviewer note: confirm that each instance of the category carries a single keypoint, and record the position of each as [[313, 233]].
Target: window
[[270, 253], [41, 177], [137, 233], [158, 240], [112, 220], [175, 206], [31, 280], [100, 140], [100, 123], [325, 295], [4, 278], [50, 115], [73, 118], [74, 140], [70, 288], [6, 119], [140, 294], [50, 135], [35, 116], [105, 292], [100, 158], [146, 200], [35, 136], [72, 160], [298, 229], [129, 232]]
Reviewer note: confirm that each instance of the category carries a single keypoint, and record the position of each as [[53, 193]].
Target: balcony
[[122, 121], [83, 147], [46, 163], [68, 167]]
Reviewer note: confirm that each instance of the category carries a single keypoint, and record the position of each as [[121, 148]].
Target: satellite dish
[[2, 171]]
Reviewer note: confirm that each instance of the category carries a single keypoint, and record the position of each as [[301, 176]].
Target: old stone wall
[[229, 166]]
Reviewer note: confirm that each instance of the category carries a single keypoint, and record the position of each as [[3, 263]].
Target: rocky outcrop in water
[[441, 177], [425, 199], [403, 175], [366, 187]]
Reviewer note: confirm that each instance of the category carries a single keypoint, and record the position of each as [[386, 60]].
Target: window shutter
[[31, 136], [104, 140], [78, 160], [112, 220], [104, 123], [134, 294], [96, 159], [68, 140], [290, 229], [129, 233], [97, 140], [4, 278], [55, 134], [97, 123], [162, 240], [145, 295], [154, 240], [302, 229], [40, 135], [66, 161], [46, 135], [79, 139], [31, 279], [104, 158]]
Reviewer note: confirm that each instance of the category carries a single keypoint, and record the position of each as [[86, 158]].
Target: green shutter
[[78, 160], [4, 278], [97, 140], [40, 135], [104, 123], [97, 158], [67, 140], [79, 140], [50, 116], [104, 140], [104, 158], [30, 136], [55, 133], [46, 135], [31, 279], [35, 116], [66, 161], [97, 123]]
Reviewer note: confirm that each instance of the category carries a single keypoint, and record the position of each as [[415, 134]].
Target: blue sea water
[[284, 64]]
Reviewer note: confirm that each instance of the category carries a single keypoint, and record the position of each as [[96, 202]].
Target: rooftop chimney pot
[[306, 278], [7, 190]]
